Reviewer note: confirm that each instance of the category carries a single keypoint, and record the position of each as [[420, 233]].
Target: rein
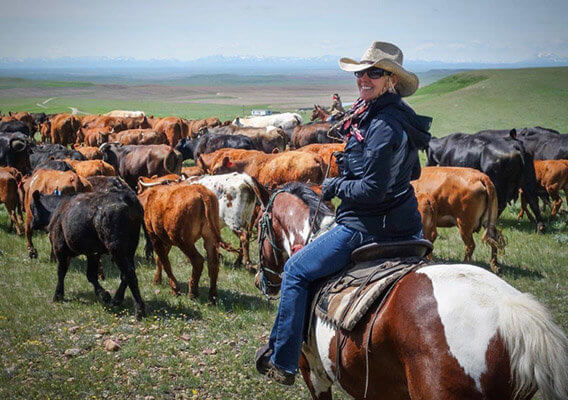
[[266, 231]]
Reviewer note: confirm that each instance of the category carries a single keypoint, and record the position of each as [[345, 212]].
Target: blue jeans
[[326, 255]]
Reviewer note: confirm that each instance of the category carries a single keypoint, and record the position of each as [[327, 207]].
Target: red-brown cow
[[271, 170], [552, 175], [90, 152], [62, 129], [139, 136], [91, 168], [9, 196], [325, 151], [178, 215], [172, 127], [462, 197]]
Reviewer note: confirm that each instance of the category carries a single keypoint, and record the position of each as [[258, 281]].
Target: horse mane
[[312, 200]]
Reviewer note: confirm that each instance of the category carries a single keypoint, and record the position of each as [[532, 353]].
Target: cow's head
[[186, 147], [111, 153]]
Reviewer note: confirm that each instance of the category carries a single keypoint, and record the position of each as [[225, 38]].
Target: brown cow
[[90, 152], [462, 197], [179, 214], [552, 175], [25, 117], [325, 151], [271, 170], [133, 161], [62, 129], [172, 127], [9, 196], [93, 137], [46, 182], [192, 171], [136, 122], [304, 135], [114, 124], [195, 125], [91, 168], [139, 136]]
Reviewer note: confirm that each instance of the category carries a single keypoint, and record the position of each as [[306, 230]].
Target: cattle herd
[[94, 181]]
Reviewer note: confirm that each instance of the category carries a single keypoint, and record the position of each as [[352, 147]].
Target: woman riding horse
[[377, 201]]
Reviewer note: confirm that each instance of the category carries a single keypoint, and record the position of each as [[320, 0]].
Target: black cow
[[39, 118], [57, 165], [16, 126], [211, 142], [542, 143], [15, 151], [504, 159], [92, 224], [40, 154]]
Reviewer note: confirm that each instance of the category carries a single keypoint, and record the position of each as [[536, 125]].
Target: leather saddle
[[401, 249], [375, 268]]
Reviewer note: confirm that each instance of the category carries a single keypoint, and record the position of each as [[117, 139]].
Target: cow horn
[[149, 184], [17, 145]]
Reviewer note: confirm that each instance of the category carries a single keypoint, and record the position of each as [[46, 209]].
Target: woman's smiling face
[[370, 88]]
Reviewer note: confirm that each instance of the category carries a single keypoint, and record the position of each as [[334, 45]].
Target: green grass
[[500, 99]]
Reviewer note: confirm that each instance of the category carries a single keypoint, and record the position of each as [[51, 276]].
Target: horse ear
[[275, 150], [513, 133], [227, 162]]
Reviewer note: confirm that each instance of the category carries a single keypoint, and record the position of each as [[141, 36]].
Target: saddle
[[343, 299]]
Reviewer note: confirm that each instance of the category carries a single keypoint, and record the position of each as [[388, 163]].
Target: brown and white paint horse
[[444, 332]]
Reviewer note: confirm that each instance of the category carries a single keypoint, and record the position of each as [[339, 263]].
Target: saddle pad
[[343, 299]]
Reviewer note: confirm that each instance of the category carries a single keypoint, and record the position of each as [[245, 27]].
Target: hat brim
[[407, 81]]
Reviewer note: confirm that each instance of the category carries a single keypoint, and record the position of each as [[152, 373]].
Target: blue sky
[[452, 31]]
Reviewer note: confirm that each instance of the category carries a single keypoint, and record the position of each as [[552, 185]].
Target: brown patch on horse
[[496, 379], [408, 350]]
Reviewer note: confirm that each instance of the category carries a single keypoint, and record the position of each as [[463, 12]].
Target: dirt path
[[75, 111], [42, 104]]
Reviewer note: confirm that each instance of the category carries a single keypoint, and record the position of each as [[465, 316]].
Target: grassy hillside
[[496, 99]]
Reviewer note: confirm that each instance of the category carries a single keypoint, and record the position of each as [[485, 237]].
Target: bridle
[[266, 232]]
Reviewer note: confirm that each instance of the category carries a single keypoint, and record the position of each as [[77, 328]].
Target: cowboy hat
[[386, 56]]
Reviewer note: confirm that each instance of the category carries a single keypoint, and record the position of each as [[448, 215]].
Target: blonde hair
[[390, 85]]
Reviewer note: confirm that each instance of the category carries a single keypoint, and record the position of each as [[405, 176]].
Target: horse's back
[[452, 332]]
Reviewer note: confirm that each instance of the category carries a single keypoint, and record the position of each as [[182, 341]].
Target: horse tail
[[537, 347]]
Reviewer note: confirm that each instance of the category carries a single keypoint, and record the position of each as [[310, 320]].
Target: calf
[[47, 182], [178, 215], [552, 176], [93, 224], [9, 196], [462, 197]]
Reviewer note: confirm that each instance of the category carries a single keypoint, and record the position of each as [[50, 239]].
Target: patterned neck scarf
[[351, 125]]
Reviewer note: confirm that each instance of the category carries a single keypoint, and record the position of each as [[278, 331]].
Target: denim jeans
[[325, 256]]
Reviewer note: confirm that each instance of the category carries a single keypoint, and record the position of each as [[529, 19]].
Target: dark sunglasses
[[373, 73]]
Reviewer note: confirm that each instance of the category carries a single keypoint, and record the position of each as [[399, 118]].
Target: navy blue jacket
[[375, 191]]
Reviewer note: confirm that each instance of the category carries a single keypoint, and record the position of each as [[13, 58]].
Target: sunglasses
[[373, 73]]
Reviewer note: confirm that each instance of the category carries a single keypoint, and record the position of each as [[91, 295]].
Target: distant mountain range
[[248, 64]]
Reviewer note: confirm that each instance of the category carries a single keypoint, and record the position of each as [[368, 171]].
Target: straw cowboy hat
[[386, 56]]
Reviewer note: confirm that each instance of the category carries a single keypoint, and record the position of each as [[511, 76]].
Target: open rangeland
[[186, 348]]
